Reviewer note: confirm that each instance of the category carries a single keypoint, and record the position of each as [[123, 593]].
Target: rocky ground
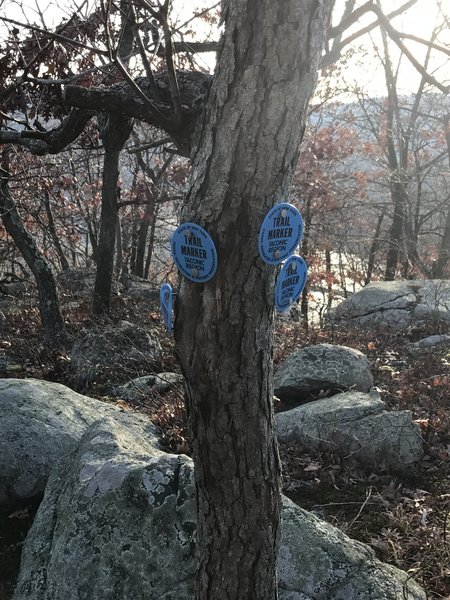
[[406, 522]]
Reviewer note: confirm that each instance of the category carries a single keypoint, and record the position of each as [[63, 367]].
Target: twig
[[149, 146], [173, 83], [55, 36], [363, 505], [148, 69]]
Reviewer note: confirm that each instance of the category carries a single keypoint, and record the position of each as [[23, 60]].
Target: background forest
[[371, 181]]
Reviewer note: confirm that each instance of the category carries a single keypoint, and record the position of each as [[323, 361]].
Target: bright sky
[[419, 20], [363, 70]]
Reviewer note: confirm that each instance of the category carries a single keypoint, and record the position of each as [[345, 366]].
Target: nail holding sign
[[194, 252], [290, 282], [280, 233], [165, 301]]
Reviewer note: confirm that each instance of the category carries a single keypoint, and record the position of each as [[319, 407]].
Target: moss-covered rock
[[395, 305], [120, 349], [39, 421], [322, 367], [356, 425], [118, 523]]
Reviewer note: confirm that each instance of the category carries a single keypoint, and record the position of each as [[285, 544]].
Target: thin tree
[[55, 334]]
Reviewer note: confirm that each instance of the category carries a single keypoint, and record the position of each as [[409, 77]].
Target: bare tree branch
[[195, 47], [143, 54], [420, 40], [149, 146], [161, 16], [335, 53], [395, 36], [174, 91], [350, 19], [53, 141], [55, 36], [119, 99], [384, 22]]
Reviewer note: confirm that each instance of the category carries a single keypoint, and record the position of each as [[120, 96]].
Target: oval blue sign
[[290, 282], [280, 233], [165, 301], [194, 252]]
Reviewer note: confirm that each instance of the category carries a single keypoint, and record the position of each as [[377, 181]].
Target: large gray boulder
[[39, 421], [122, 347], [141, 289], [118, 522], [136, 389], [322, 367], [396, 305], [16, 289], [78, 282], [317, 561], [431, 342], [112, 511], [355, 425]]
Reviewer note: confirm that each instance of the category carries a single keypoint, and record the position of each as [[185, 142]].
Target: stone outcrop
[[355, 425], [124, 346], [395, 305], [78, 282], [136, 389], [141, 289], [118, 520], [323, 367], [39, 421], [431, 342]]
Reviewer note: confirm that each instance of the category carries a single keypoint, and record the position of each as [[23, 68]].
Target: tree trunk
[[53, 234], [114, 131], [119, 247], [151, 244], [52, 322], [329, 277], [444, 250], [374, 248], [438, 270], [114, 135], [246, 150], [397, 228], [107, 237], [149, 216], [92, 237], [307, 221]]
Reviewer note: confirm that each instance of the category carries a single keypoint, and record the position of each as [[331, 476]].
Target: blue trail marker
[[194, 252], [280, 233], [290, 282], [165, 301]]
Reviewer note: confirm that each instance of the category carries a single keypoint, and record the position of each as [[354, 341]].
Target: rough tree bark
[[246, 150], [55, 334]]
